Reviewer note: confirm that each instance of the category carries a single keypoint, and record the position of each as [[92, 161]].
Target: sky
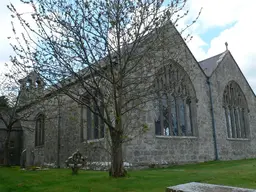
[[221, 21]]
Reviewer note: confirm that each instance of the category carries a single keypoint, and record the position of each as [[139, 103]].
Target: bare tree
[[22, 107], [102, 54], [9, 117]]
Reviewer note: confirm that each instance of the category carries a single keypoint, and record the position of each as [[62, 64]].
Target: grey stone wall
[[165, 149], [69, 138], [232, 148], [149, 148]]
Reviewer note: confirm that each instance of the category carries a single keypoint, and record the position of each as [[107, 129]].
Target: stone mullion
[[236, 104], [185, 116], [192, 125], [227, 121], [170, 115], [95, 126], [241, 123], [92, 122], [83, 123], [178, 115], [101, 120], [193, 118], [233, 122], [96, 123], [238, 128], [229, 98], [161, 116], [246, 124], [243, 132], [89, 123]]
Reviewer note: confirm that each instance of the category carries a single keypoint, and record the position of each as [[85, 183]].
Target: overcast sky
[[221, 21]]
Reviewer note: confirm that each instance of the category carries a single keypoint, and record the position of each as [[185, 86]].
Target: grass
[[240, 173]]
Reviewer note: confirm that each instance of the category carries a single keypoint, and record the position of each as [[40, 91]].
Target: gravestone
[[32, 158], [23, 159], [203, 187]]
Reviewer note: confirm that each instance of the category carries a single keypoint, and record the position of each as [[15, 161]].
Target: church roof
[[210, 64]]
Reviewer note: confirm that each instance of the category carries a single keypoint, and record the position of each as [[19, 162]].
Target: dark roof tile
[[210, 64]]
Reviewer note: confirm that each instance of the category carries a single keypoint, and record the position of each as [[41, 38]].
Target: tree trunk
[[6, 149], [117, 166]]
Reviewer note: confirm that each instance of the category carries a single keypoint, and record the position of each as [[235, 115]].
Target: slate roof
[[210, 64]]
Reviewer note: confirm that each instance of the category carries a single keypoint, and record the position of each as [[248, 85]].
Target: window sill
[[39, 146], [175, 137], [238, 139], [94, 140]]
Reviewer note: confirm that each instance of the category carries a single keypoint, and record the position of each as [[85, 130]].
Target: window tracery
[[236, 111], [177, 102]]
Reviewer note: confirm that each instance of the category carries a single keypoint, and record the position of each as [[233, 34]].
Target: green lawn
[[235, 173]]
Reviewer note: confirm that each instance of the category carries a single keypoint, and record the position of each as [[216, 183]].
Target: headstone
[[23, 159], [203, 187], [32, 157]]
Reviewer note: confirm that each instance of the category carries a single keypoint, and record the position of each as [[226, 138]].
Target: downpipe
[[213, 122]]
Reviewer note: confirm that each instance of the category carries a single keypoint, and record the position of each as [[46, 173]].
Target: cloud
[[240, 36], [6, 31], [217, 13]]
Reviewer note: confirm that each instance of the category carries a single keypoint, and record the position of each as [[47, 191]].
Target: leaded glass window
[[92, 126], [236, 111], [39, 130], [177, 102]]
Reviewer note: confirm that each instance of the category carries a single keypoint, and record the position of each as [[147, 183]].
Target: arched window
[[92, 126], [236, 111], [40, 125], [177, 102]]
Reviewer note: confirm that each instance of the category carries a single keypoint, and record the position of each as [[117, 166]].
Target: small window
[[39, 137]]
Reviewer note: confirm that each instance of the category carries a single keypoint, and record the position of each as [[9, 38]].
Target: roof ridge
[[222, 56]]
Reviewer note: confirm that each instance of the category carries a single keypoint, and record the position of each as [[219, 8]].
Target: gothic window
[[39, 137], [177, 102], [92, 126], [236, 111]]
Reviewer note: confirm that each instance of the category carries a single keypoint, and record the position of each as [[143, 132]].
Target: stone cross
[[75, 161]]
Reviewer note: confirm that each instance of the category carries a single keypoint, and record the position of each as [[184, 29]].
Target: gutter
[[213, 122]]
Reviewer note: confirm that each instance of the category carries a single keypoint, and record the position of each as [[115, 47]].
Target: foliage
[[234, 173]]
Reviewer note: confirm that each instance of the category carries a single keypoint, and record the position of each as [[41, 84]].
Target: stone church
[[213, 118]]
